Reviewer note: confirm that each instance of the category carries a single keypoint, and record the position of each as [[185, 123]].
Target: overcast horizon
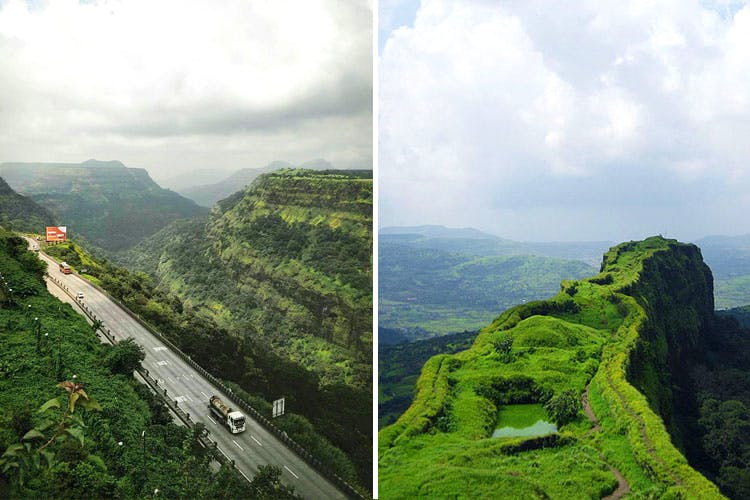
[[174, 87], [546, 121]]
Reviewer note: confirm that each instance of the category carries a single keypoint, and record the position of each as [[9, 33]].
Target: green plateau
[[647, 386]]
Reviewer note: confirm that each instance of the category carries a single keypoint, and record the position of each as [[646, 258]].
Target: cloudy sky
[[556, 120], [174, 86]]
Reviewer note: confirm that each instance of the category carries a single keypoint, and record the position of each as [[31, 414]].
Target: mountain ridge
[[110, 205], [618, 337]]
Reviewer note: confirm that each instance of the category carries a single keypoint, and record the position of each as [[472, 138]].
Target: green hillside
[[20, 213], [110, 205], [289, 258], [99, 448], [624, 341], [399, 366], [426, 292], [286, 264]]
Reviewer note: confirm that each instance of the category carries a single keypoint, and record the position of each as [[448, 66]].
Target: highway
[[256, 446]]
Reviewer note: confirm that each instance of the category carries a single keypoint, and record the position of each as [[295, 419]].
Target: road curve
[[256, 446]]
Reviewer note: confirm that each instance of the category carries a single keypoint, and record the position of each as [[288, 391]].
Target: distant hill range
[[208, 195], [110, 205], [21, 213], [475, 242]]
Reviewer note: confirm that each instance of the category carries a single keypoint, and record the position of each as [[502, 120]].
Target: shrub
[[563, 407]]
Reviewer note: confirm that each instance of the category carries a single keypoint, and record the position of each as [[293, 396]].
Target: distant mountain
[[433, 231], [110, 205], [207, 195], [475, 242], [21, 213], [740, 241], [192, 178]]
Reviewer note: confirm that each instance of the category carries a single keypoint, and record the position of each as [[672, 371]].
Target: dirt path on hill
[[622, 484]]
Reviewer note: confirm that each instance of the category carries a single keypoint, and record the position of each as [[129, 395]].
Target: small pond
[[527, 420]]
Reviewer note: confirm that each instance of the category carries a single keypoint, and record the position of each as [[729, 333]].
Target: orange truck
[[65, 268]]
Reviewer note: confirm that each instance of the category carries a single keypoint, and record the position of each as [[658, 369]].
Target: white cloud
[[115, 76], [489, 100]]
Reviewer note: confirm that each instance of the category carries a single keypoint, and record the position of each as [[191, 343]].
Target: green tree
[[267, 484], [125, 357]]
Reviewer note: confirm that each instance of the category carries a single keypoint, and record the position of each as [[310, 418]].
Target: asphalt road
[[256, 446]]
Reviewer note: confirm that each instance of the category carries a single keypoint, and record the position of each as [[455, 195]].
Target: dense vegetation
[[274, 293], [111, 206], [426, 292], [714, 409], [20, 213], [71, 421], [399, 366], [246, 364], [617, 338]]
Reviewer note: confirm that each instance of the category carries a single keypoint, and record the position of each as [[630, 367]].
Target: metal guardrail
[[296, 447]]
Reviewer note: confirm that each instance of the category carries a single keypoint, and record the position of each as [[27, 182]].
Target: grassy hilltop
[[620, 338]]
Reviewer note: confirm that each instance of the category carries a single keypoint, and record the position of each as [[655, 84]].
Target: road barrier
[[296, 447]]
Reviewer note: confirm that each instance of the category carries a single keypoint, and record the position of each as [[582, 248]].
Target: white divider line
[[290, 472]]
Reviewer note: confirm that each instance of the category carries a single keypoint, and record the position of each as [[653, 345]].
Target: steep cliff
[[617, 342]]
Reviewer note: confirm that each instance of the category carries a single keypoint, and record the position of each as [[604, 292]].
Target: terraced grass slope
[[616, 341], [110, 205]]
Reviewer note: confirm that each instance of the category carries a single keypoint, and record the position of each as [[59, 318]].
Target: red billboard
[[56, 233]]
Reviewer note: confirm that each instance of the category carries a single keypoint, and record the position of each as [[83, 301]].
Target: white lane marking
[[189, 398], [160, 348], [204, 394], [253, 438], [290, 472], [171, 380], [180, 399], [243, 475], [212, 420], [162, 363], [222, 452], [238, 445]]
